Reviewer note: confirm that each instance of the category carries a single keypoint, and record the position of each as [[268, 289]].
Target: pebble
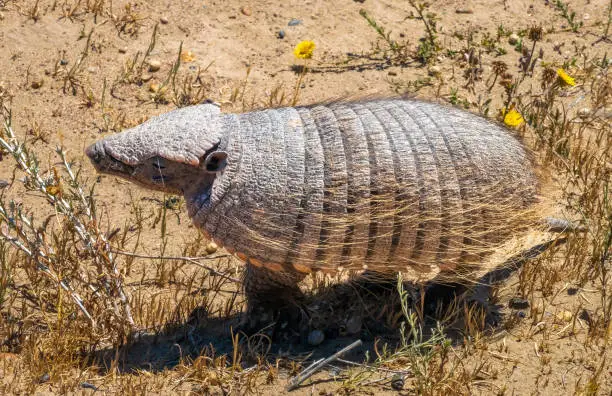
[[565, 316], [316, 337], [280, 34], [518, 303], [392, 73], [37, 82], [464, 11], [3, 183], [294, 22], [434, 70], [146, 77], [211, 248], [44, 378], [1, 16], [586, 17], [584, 112], [63, 62], [123, 50], [353, 325], [92, 69], [246, 11], [154, 65], [397, 382], [513, 39], [163, 20], [88, 385]]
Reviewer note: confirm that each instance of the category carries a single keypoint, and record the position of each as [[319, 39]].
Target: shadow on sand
[[377, 317]]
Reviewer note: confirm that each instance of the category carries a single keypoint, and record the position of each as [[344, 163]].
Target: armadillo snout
[[96, 153]]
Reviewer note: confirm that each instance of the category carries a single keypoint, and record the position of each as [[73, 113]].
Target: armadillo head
[[179, 152]]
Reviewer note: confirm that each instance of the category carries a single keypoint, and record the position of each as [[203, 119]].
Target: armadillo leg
[[268, 293]]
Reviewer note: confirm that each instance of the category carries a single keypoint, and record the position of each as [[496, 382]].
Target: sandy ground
[[229, 39]]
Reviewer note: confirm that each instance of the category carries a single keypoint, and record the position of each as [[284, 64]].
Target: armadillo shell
[[383, 185]]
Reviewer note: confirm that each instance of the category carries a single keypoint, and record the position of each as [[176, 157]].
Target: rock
[[246, 11], [146, 77], [584, 112], [163, 20], [1, 16], [92, 69], [3, 183], [280, 34], [154, 65], [392, 73], [464, 11], [211, 248], [37, 82], [353, 325], [294, 22], [518, 303], [513, 39], [122, 50], [63, 62], [44, 378], [434, 70], [397, 382], [565, 316], [315, 337]]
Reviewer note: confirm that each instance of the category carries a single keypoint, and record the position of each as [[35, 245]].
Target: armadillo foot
[[273, 300]]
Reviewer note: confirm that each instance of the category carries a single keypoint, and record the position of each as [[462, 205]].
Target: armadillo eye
[[157, 164]]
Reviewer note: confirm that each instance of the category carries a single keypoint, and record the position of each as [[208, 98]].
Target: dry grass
[[85, 303]]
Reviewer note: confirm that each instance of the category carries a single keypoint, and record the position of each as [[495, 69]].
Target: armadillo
[[384, 185]]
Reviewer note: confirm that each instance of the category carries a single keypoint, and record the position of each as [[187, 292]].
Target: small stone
[[88, 385], [1, 16], [211, 248], [280, 34], [154, 65], [146, 77], [584, 315], [521, 314], [397, 382], [63, 62], [163, 20], [392, 73], [586, 17], [246, 11], [513, 39], [464, 11], [92, 69], [565, 316], [584, 112], [154, 87], [518, 303], [3, 183], [37, 82], [44, 378], [316, 337], [434, 70], [122, 50], [294, 22], [353, 325]]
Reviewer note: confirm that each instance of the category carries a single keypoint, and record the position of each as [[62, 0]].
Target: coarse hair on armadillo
[[385, 185]]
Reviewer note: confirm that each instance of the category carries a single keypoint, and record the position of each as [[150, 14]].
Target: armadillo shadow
[[210, 336]]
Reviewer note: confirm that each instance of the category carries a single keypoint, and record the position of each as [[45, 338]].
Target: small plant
[[429, 46], [568, 15]]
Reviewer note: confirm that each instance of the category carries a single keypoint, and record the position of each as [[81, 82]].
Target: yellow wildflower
[[569, 80], [187, 56], [513, 118], [304, 49]]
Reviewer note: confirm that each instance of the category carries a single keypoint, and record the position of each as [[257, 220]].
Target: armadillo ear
[[215, 161]]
